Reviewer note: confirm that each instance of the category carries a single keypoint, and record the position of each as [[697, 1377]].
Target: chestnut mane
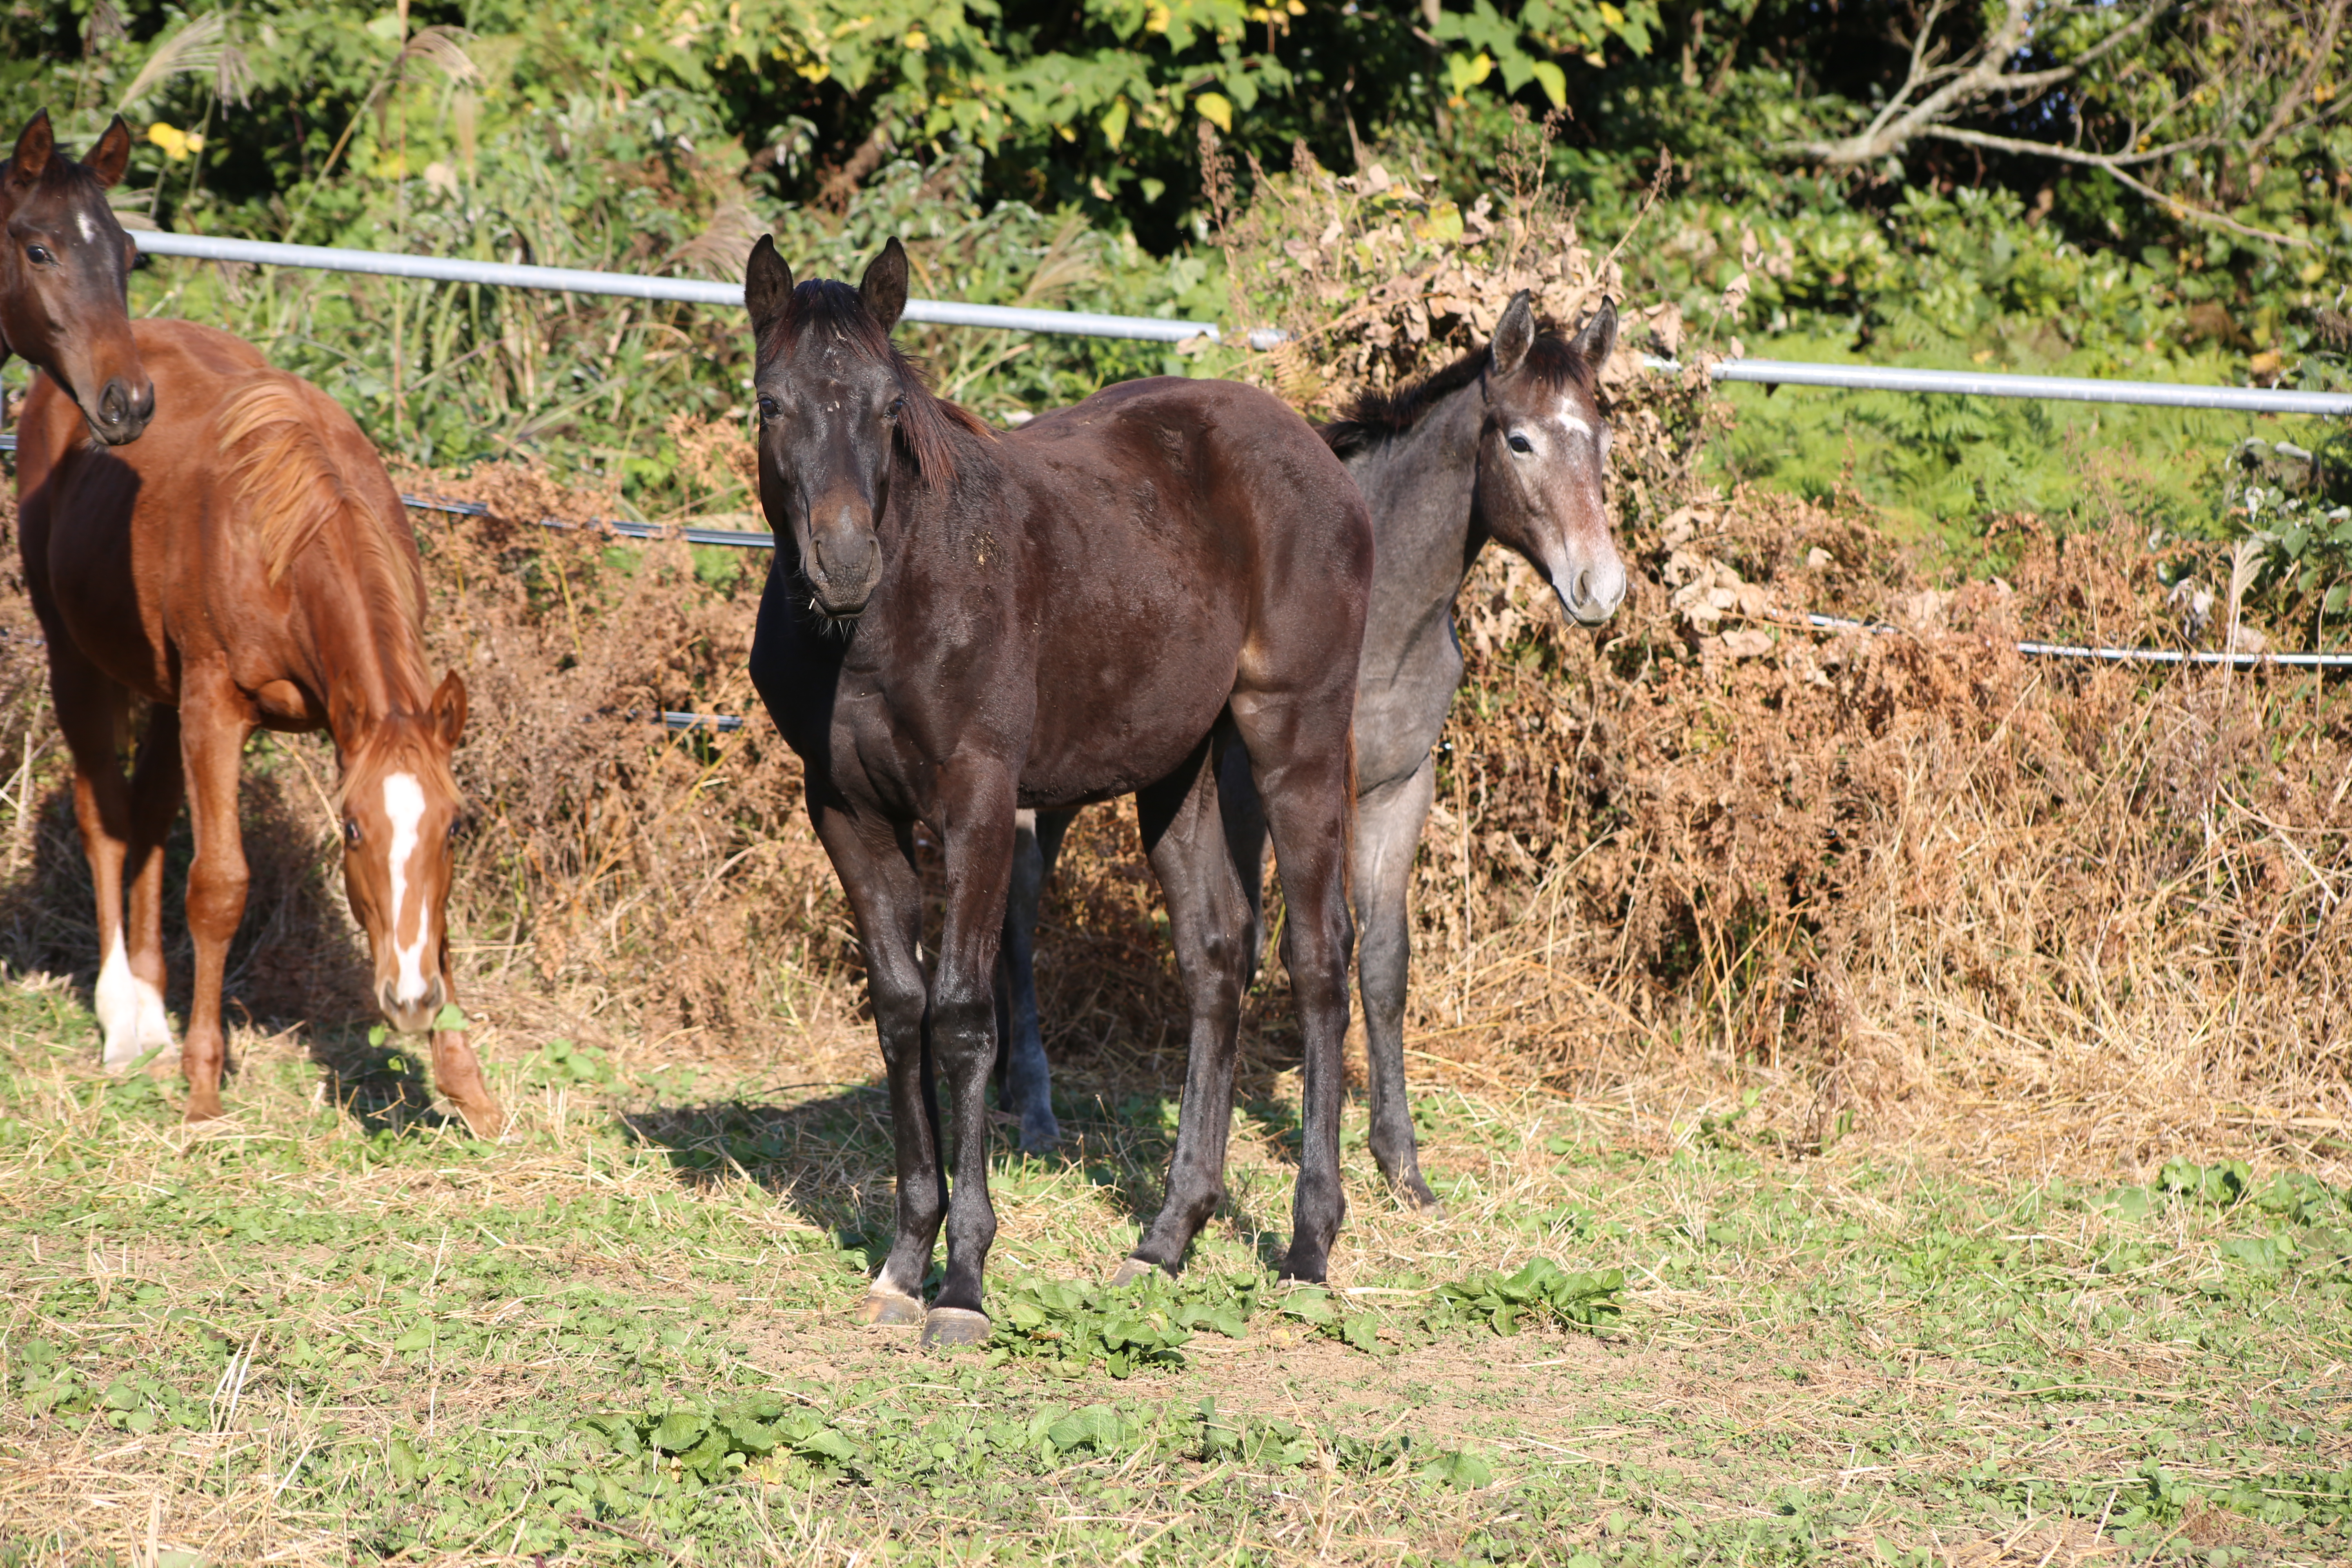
[[284, 482]]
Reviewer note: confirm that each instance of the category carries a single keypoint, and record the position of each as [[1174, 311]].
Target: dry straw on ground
[[1911, 882]]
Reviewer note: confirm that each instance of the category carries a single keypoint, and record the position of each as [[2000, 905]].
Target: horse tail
[[283, 478]]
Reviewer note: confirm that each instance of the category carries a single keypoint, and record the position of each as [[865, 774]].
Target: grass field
[[314, 1335]]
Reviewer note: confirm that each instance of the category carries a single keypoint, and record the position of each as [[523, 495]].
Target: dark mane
[[1375, 417], [927, 425]]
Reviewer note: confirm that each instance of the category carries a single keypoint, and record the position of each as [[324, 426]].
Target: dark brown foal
[[957, 626]]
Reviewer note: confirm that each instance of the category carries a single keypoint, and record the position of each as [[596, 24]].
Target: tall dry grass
[[1912, 882]]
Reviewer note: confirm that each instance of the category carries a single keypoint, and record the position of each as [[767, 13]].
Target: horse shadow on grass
[[829, 1158]]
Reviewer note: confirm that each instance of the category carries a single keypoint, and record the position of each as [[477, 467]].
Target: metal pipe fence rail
[[1773, 373], [1768, 374], [639, 286]]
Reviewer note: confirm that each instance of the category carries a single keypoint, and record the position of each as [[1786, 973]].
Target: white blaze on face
[[404, 804], [89, 229]]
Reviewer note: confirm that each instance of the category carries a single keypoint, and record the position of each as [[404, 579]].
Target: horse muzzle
[[122, 411], [412, 1018], [842, 566], [1590, 595]]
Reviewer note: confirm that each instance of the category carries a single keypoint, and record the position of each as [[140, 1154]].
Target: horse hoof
[[1040, 1140], [889, 1309], [1134, 1268], [1307, 1269], [956, 1326], [484, 1120], [203, 1108]]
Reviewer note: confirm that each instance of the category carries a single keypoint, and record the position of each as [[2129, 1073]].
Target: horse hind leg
[[1245, 816], [1028, 1085], [1299, 747], [1209, 919]]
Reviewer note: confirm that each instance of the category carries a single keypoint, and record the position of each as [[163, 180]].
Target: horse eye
[[351, 831], [1521, 444], [898, 406], [39, 255], [769, 409]]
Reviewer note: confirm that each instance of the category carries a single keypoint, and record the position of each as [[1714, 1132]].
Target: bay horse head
[[1543, 456], [401, 811], [65, 277], [839, 407]]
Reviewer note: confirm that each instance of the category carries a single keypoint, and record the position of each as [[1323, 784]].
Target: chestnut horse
[[245, 565], [957, 626], [65, 275]]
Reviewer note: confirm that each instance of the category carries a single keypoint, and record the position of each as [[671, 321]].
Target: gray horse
[[1506, 442]]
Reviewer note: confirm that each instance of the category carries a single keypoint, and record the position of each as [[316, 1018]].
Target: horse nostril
[[1580, 587]]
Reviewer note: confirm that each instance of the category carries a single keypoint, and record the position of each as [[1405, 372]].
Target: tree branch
[[2117, 168], [2322, 49], [1961, 88]]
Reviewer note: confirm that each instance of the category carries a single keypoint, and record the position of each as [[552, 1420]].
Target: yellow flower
[[177, 144], [915, 39]]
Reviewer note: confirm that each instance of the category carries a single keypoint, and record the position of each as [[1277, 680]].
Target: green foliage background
[[1051, 154]]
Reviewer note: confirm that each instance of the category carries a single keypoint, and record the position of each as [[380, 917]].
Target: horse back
[[1186, 538], [188, 543], [1224, 477]]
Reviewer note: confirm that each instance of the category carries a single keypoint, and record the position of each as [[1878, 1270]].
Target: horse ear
[[33, 150], [449, 708], [1597, 340], [1514, 335], [883, 287], [767, 286], [110, 154]]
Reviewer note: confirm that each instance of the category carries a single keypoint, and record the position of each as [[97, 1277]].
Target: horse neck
[[366, 662], [1422, 487]]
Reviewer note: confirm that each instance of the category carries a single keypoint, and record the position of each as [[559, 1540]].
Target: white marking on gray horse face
[[404, 803]]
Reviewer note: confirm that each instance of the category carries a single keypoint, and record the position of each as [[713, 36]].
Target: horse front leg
[[214, 723], [458, 1071], [1389, 820], [156, 787], [978, 808], [877, 869], [91, 709]]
